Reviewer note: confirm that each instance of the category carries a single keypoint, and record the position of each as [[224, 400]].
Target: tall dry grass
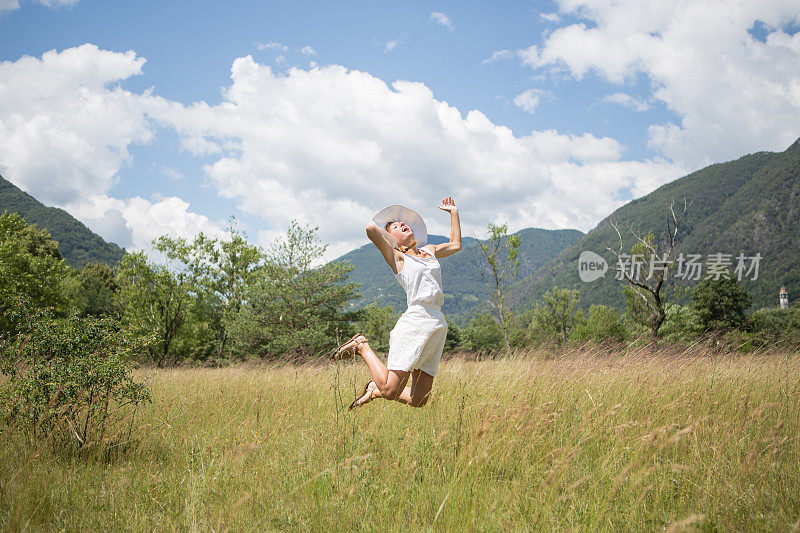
[[587, 440]]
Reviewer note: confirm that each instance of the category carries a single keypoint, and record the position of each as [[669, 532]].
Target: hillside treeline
[[217, 300], [715, 316], [77, 244]]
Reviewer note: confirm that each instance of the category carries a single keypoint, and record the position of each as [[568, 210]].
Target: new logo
[[591, 266]]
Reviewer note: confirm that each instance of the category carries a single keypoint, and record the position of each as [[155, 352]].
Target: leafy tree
[[497, 261], [198, 337], [225, 269], [558, 315], [30, 265], [294, 307], [154, 298], [720, 302], [636, 309], [98, 290]]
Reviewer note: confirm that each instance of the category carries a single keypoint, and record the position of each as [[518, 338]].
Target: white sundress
[[417, 340]]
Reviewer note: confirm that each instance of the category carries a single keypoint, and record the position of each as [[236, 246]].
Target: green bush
[[604, 324], [454, 337], [720, 304], [680, 325], [554, 320], [483, 336], [69, 380], [773, 327]]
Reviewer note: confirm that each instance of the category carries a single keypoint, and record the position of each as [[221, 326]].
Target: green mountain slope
[[465, 293], [750, 205], [77, 243]]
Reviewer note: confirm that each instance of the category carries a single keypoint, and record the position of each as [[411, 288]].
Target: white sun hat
[[401, 213]]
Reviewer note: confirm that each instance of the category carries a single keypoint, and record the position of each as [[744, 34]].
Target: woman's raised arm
[[390, 254], [449, 248]]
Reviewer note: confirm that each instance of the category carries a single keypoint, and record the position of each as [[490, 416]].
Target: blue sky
[[580, 106], [189, 50]]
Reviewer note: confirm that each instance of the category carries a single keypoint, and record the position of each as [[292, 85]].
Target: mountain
[[750, 205], [77, 243], [465, 293]]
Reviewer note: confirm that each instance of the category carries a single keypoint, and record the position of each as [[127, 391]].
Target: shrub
[[454, 337], [558, 316], [680, 325], [720, 303], [604, 324], [483, 335], [69, 379], [774, 327]]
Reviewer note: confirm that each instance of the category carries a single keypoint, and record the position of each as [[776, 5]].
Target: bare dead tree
[[656, 261]]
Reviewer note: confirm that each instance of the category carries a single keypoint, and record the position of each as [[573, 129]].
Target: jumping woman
[[417, 340]]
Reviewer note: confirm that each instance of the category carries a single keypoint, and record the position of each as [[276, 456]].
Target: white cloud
[[498, 55], [550, 17], [308, 51], [11, 5], [271, 46], [442, 20], [326, 146], [529, 100], [628, 101], [731, 92], [140, 221], [391, 45], [8, 5], [171, 173], [329, 146], [64, 115], [58, 3], [65, 131]]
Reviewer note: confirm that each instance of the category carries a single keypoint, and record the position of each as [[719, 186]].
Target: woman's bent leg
[[374, 394], [391, 383], [416, 395], [420, 388]]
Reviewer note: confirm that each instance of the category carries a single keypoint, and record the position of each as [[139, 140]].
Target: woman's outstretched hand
[[448, 205]]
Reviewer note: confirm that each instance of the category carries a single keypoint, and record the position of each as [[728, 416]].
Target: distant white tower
[[784, 298]]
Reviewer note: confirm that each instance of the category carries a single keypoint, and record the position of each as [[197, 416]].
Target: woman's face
[[401, 232]]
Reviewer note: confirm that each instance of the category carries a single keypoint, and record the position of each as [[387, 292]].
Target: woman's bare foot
[[370, 393], [354, 346], [350, 348]]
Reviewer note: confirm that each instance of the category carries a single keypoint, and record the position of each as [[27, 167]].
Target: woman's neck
[[412, 246], [416, 252]]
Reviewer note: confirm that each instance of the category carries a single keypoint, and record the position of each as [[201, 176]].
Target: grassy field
[[585, 441]]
